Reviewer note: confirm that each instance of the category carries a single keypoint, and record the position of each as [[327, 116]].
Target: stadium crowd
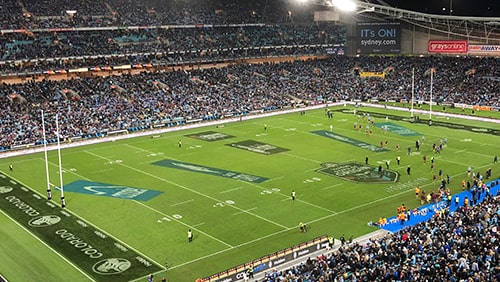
[[450, 247], [458, 246], [199, 43], [94, 13], [91, 106]]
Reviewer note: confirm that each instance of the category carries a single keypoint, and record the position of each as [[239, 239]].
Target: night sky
[[481, 8]]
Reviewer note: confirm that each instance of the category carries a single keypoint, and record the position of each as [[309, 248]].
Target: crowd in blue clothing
[[31, 51], [94, 105], [462, 245]]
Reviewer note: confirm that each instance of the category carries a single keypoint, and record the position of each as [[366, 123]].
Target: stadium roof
[[429, 14]]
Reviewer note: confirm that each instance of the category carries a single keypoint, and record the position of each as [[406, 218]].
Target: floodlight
[[344, 5]]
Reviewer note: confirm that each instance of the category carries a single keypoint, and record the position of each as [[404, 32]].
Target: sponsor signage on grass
[[110, 190], [97, 254], [358, 172], [349, 140], [447, 46], [211, 171], [391, 127], [258, 147], [210, 136], [434, 122]]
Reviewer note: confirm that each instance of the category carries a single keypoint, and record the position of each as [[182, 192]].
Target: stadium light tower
[[345, 5]]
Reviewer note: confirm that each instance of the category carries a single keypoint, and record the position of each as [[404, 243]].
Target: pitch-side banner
[[379, 38], [447, 46], [482, 49]]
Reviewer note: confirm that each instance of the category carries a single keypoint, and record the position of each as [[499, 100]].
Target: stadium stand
[[138, 102], [449, 247]]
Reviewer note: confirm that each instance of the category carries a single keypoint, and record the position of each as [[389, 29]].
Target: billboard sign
[[447, 46], [379, 38], [484, 49]]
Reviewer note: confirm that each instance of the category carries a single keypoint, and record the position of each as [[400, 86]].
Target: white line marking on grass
[[186, 188], [302, 201], [198, 224], [236, 213], [230, 190], [302, 158], [137, 148], [333, 186], [282, 231], [181, 203], [453, 162], [460, 151], [185, 224], [103, 170], [276, 178], [49, 247], [95, 226], [312, 169]]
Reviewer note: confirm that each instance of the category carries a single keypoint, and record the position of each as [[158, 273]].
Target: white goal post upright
[[430, 102], [63, 202], [412, 90], [49, 192]]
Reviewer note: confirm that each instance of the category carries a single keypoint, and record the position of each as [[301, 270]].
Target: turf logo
[[210, 136], [358, 172], [211, 171], [257, 147], [108, 190], [349, 140], [111, 266], [394, 128], [44, 221]]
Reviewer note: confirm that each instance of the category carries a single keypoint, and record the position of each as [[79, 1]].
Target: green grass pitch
[[235, 221]]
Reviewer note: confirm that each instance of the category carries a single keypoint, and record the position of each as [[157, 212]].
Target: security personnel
[[331, 241]]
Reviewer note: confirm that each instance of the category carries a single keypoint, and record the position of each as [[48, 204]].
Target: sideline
[[30, 149]]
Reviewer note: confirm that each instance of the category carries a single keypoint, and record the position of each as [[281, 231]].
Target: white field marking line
[[288, 196], [276, 178], [103, 170], [230, 190], [185, 224], [181, 203], [302, 158], [101, 229], [460, 151], [49, 247], [381, 199], [286, 199], [178, 221], [282, 231], [393, 137], [332, 186], [456, 139], [67, 170], [187, 188], [236, 213], [144, 150], [25, 160], [198, 224]]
